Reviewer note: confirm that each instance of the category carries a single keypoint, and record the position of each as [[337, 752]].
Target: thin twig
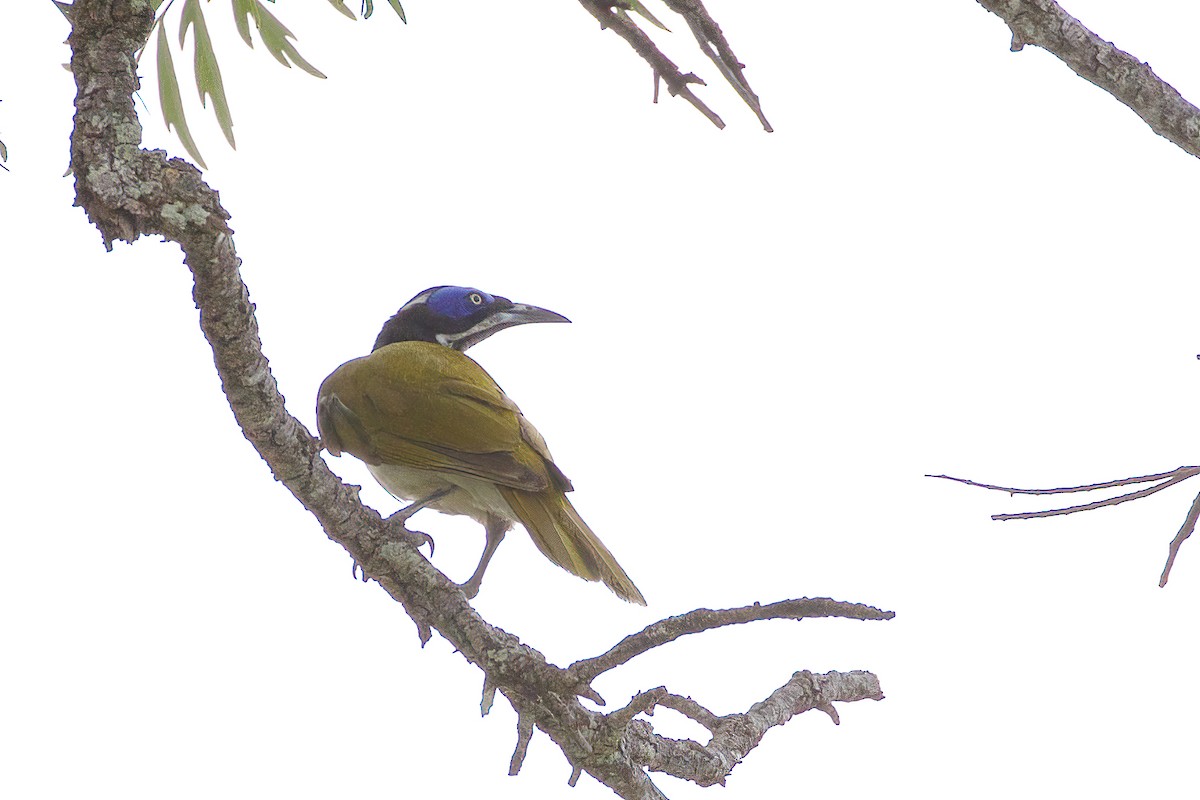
[[1189, 525], [1168, 479], [1066, 490], [1112, 501]]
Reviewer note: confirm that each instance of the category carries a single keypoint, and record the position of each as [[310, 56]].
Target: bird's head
[[458, 317]]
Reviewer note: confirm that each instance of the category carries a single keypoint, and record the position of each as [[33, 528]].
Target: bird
[[435, 430]]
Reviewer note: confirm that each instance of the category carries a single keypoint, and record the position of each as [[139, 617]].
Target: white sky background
[[949, 258]]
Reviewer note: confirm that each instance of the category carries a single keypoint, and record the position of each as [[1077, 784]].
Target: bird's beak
[[521, 313], [517, 314]]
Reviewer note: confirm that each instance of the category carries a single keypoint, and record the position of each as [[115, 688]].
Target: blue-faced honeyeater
[[436, 430]]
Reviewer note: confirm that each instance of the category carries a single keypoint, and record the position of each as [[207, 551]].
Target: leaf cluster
[[275, 36]]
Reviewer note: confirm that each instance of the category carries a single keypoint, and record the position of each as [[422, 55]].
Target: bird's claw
[[418, 538]]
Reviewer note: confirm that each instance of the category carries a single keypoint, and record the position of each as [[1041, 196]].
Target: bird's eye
[[476, 299]]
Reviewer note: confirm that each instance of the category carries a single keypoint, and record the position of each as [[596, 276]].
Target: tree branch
[[129, 192], [1045, 24]]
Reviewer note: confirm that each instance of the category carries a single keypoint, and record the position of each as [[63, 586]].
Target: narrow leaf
[[169, 97], [208, 74], [274, 34], [368, 8], [341, 6], [638, 8], [242, 9], [65, 8], [399, 9]]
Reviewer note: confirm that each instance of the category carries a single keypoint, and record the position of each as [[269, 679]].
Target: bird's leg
[[402, 516], [495, 529], [412, 508]]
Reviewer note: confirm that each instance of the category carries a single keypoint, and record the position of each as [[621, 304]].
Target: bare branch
[[703, 619], [1045, 24], [664, 68], [709, 35], [1189, 525], [1168, 479], [1112, 501], [1066, 490]]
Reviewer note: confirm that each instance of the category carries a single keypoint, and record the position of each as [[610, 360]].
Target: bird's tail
[[564, 538]]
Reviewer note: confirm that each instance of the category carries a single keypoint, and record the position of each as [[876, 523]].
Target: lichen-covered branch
[[129, 192], [735, 735], [1045, 24], [1162, 480]]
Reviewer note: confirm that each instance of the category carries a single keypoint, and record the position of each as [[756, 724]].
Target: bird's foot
[[419, 538], [416, 538]]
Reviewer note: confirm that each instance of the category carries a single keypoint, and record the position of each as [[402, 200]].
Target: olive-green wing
[[425, 406]]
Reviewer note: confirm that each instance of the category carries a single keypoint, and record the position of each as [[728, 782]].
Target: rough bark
[[1045, 24]]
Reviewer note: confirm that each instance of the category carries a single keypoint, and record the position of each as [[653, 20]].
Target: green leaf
[[399, 9], [636, 7], [274, 35], [65, 8], [169, 97], [341, 6], [242, 11], [208, 74], [368, 8]]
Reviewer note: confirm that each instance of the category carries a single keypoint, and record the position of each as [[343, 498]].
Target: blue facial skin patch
[[455, 301]]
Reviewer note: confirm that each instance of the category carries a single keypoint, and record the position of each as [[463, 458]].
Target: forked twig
[[709, 37]]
